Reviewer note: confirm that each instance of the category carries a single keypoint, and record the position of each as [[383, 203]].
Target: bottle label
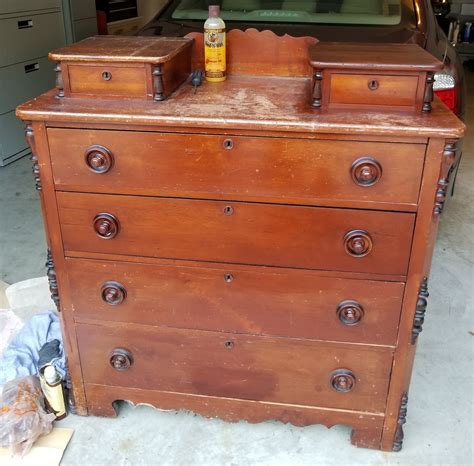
[[215, 54], [55, 397]]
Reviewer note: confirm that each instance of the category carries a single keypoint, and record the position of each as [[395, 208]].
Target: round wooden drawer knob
[[113, 293], [106, 226], [366, 171], [358, 243], [343, 380], [350, 312], [121, 359], [99, 159]]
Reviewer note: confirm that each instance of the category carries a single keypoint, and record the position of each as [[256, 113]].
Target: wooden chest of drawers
[[239, 253]]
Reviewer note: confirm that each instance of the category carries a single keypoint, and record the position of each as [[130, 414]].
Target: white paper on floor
[[47, 450]]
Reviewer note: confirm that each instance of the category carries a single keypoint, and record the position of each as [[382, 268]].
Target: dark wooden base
[[366, 433]]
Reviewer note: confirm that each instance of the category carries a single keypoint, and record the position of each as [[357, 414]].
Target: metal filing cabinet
[[80, 19], [29, 29]]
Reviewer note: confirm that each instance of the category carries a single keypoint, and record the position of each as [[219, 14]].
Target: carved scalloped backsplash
[[263, 53]]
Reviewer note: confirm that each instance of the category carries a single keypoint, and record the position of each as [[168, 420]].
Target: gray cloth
[[22, 354]]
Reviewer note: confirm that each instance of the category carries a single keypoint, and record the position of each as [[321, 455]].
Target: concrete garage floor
[[439, 428]]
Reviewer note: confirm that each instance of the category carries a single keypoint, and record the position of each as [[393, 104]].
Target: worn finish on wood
[[421, 305], [367, 428], [261, 368], [112, 49], [251, 300], [262, 256], [248, 104], [363, 57]]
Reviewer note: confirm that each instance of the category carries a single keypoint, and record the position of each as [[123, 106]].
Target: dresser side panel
[[424, 238], [55, 244]]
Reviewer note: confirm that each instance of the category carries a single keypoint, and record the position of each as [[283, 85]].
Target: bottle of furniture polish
[[52, 387], [214, 46]]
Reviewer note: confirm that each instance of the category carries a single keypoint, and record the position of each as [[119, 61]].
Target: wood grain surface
[[372, 56], [253, 368], [244, 103], [123, 49], [251, 300], [289, 236], [279, 170]]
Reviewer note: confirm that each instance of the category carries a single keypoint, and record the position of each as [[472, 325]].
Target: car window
[[365, 12]]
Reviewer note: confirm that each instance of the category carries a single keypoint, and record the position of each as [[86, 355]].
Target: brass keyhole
[[228, 210], [229, 344], [373, 84], [106, 75], [228, 277]]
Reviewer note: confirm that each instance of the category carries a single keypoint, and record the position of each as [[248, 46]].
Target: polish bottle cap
[[214, 11], [50, 374]]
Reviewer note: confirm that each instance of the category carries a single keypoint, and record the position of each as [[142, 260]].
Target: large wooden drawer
[[252, 300], [236, 232], [234, 167], [281, 370]]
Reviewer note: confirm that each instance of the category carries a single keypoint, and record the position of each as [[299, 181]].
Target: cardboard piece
[[47, 451]]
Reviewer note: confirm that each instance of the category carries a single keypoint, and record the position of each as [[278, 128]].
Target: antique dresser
[[255, 249]]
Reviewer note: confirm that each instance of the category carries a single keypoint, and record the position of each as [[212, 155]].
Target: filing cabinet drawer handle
[[32, 67], [106, 226], [350, 312], [343, 380], [358, 243], [373, 84], [25, 24], [366, 171], [113, 293], [99, 159], [121, 359]]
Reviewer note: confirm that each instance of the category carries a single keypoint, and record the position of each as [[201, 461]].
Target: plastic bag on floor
[[22, 415]]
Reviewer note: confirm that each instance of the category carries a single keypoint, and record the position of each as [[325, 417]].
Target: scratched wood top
[[244, 103], [122, 49], [399, 57]]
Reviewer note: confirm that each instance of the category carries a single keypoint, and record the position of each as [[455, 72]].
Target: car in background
[[389, 21]]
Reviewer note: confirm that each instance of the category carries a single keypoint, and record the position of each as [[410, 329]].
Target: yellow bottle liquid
[[214, 46]]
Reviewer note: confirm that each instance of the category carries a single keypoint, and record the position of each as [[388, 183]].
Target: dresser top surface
[[400, 57], [243, 103], [122, 49]]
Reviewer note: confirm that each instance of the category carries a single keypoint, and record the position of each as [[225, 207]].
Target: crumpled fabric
[[21, 357]]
